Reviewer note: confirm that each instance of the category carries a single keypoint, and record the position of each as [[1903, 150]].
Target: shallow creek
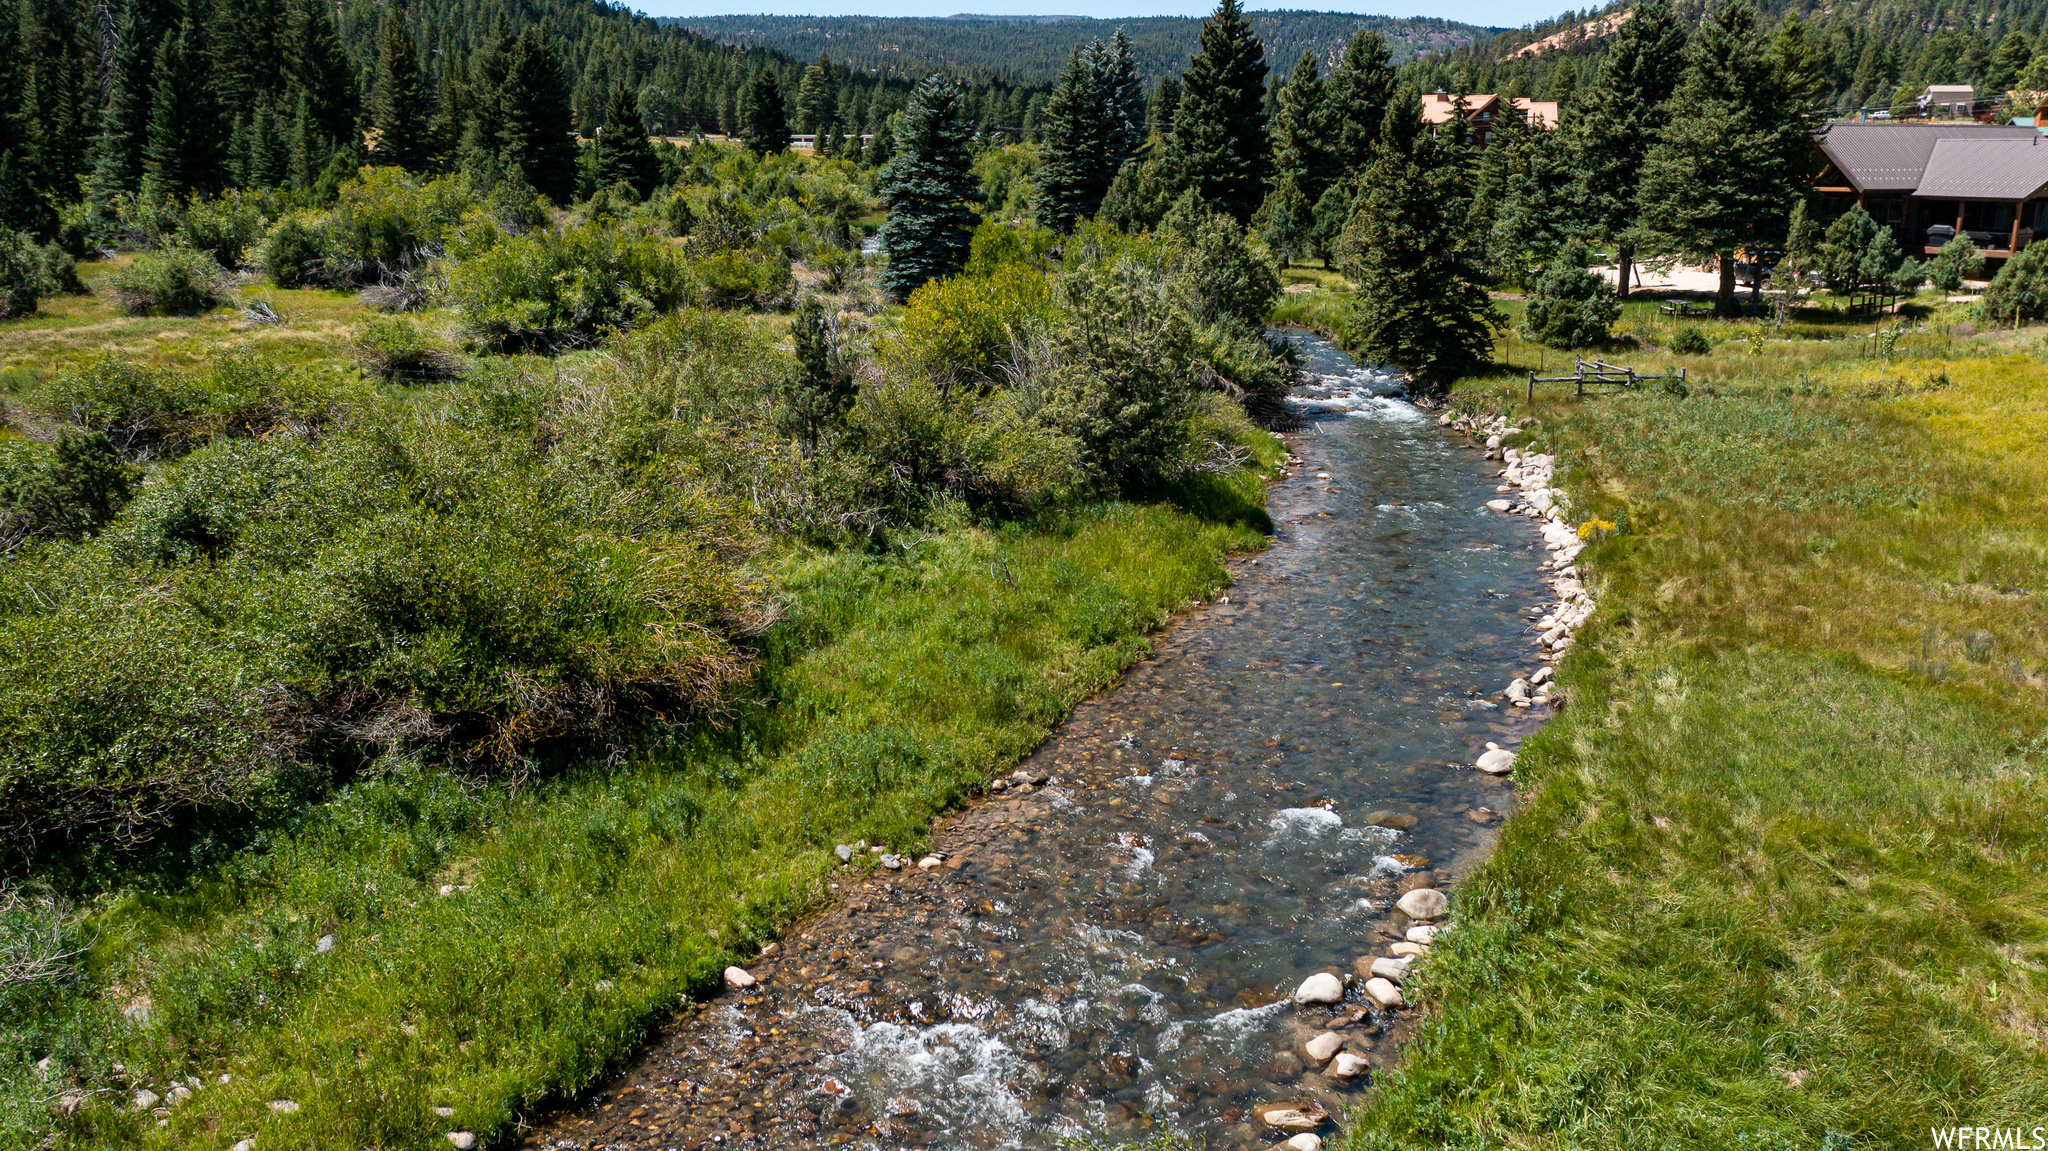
[[1116, 948]]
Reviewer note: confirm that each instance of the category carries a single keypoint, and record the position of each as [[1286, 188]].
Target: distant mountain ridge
[[1031, 49]]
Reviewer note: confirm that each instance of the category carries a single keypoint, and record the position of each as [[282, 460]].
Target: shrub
[[393, 347], [143, 411], [743, 276], [559, 289], [1959, 260], [24, 275], [1570, 307], [295, 251], [1221, 274], [229, 226], [66, 489], [968, 324], [1689, 340], [1839, 257], [173, 282], [386, 221], [2019, 292]]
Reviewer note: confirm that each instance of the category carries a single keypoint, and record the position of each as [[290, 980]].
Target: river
[[1115, 949]]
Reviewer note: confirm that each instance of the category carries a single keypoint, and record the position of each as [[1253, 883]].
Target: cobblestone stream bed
[[1116, 947]]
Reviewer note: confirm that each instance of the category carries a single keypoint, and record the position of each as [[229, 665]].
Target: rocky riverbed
[[1196, 904]]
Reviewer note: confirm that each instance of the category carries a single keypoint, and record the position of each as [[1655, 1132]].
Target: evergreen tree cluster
[[1094, 121]]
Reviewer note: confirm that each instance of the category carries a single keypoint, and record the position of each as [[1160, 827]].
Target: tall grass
[[494, 949], [1778, 879]]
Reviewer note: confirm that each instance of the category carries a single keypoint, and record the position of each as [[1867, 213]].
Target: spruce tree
[[623, 153], [185, 151], [401, 105], [1420, 304], [535, 118], [764, 121], [318, 67], [1733, 153], [816, 96], [124, 117], [2008, 63], [59, 67], [1071, 176], [23, 208], [1612, 129], [1218, 146], [1123, 100], [817, 396], [1301, 155], [1161, 107], [1355, 102], [928, 187]]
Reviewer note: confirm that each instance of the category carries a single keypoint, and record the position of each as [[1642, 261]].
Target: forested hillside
[[1851, 55], [212, 94], [1030, 50]]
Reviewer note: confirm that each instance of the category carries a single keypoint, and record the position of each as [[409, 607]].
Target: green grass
[[1778, 880], [594, 902]]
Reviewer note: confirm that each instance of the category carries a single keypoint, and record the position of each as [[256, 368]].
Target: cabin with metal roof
[[1482, 111], [1930, 181]]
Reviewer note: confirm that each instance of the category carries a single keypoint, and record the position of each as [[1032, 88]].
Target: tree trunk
[[1724, 296], [1624, 264]]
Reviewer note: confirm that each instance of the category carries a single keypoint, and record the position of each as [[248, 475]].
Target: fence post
[[1532, 387]]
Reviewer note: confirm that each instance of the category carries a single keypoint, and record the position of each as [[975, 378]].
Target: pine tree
[[2008, 64], [264, 159], [1071, 180], [185, 151], [1161, 107], [1420, 304], [817, 396], [23, 208], [1612, 129], [623, 153], [1301, 155], [1799, 62], [1733, 151], [1123, 100], [928, 187], [401, 105], [318, 67], [536, 118], [1355, 102], [1218, 146], [816, 95], [124, 118], [58, 67], [764, 121]]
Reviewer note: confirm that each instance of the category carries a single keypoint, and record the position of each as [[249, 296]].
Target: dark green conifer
[[318, 67], [186, 149], [401, 103], [124, 118], [816, 96], [1420, 304], [2013, 55], [1072, 176], [817, 396], [1734, 152], [1610, 132], [535, 118], [1355, 102], [1301, 154], [623, 153], [764, 120], [1218, 146], [928, 187]]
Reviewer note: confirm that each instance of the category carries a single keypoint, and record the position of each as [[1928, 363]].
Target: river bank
[[1777, 878]]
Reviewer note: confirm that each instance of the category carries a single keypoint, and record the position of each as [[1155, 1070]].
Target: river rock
[[1422, 933], [1406, 950], [845, 852], [1518, 690], [930, 862], [323, 945], [177, 1095], [894, 862], [1498, 505], [1293, 1115], [1322, 987], [244, 1145], [1323, 1046], [1348, 1066], [1543, 675], [1499, 761], [738, 978], [1394, 820], [1383, 993], [1424, 903], [461, 1140], [1303, 1142], [146, 1099], [1395, 970]]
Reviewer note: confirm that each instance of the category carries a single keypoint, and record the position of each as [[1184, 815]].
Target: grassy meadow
[[1777, 880]]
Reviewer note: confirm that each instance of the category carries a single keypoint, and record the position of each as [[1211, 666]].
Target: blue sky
[[1506, 13]]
